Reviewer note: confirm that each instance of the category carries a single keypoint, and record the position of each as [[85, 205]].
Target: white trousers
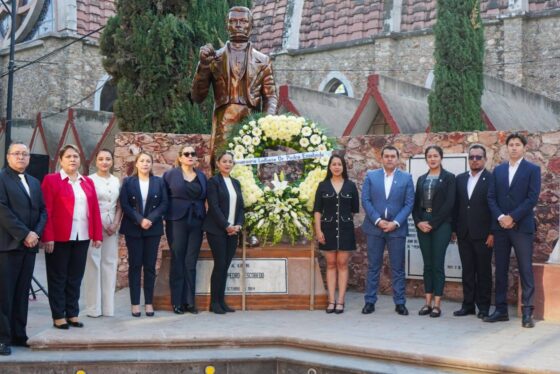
[[100, 278]]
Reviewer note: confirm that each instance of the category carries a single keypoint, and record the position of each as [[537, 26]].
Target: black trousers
[[523, 246], [185, 240], [65, 270], [142, 255], [223, 249], [16, 271], [476, 260]]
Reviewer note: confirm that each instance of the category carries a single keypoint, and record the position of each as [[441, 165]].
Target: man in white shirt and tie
[[22, 219], [512, 197], [387, 198], [471, 226]]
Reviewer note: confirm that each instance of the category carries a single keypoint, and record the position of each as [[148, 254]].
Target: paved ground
[[465, 343]]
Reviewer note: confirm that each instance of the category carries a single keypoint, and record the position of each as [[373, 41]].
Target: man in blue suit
[[512, 196], [387, 198]]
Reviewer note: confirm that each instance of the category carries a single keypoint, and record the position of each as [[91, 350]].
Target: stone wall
[[67, 78], [362, 153]]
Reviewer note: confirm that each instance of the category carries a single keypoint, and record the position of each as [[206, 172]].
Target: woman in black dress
[[336, 200]]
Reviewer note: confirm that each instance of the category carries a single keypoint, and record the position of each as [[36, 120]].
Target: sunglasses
[[477, 158], [187, 154]]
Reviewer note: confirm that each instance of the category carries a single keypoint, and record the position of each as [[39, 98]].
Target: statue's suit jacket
[[259, 80], [398, 206]]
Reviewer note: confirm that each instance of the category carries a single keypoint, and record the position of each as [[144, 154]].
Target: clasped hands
[[233, 230], [31, 240], [387, 226], [424, 226], [506, 222]]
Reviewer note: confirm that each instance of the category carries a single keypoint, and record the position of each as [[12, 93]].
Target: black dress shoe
[[217, 308], [496, 317], [425, 310], [20, 342], [178, 309], [482, 314], [137, 314], [75, 323], [401, 309], [436, 312], [63, 326], [190, 309], [5, 350], [226, 308], [464, 312], [368, 308], [527, 321]]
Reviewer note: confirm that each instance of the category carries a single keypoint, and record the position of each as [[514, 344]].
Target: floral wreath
[[284, 211]]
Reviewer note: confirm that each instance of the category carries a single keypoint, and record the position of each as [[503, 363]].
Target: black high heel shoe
[[330, 310], [63, 326], [337, 310]]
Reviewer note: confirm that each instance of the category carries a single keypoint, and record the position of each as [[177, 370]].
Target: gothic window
[[335, 82], [337, 87]]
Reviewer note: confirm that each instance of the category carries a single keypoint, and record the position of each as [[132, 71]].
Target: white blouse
[[232, 200], [108, 195]]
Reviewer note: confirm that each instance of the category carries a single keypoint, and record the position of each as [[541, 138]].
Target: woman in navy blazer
[[186, 188], [143, 200], [222, 225]]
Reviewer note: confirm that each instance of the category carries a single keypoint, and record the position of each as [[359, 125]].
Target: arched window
[[105, 94], [337, 87], [335, 82]]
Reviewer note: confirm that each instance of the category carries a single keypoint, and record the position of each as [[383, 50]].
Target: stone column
[[393, 12], [66, 13], [292, 24]]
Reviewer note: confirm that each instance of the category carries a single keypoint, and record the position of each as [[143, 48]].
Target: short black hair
[[516, 135], [477, 146], [390, 148], [436, 147]]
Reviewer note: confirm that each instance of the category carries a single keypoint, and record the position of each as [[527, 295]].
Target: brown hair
[[67, 147], [135, 171], [177, 163]]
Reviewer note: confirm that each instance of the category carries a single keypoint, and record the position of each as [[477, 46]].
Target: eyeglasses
[[20, 154], [191, 154], [476, 157]]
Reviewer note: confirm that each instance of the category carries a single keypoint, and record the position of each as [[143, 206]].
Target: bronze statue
[[241, 78]]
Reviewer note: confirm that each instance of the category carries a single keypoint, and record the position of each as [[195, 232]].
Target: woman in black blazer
[[186, 188], [143, 200], [432, 213], [222, 225]]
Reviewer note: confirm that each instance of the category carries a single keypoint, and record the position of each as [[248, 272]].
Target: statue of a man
[[241, 78]]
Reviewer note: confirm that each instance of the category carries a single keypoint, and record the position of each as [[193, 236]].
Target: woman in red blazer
[[73, 221]]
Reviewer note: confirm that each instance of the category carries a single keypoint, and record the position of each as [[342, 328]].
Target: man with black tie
[[22, 219], [512, 196], [471, 225]]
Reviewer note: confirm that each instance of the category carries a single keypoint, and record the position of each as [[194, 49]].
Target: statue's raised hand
[[206, 54]]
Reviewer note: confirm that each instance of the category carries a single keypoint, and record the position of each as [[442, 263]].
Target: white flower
[[252, 123], [239, 149], [310, 148], [324, 161], [250, 148], [256, 140], [315, 139], [321, 147], [306, 131], [247, 140], [256, 131], [304, 142], [245, 127], [230, 145]]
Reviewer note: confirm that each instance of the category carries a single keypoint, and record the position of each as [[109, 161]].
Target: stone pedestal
[[277, 277], [547, 292]]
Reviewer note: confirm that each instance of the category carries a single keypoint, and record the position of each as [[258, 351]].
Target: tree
[[455, 102], [151, 50]]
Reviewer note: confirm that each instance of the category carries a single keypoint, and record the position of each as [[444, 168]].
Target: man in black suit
[[472, 223], [22, 219]]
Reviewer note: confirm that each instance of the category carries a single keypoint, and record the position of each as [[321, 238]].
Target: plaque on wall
[[455, 163], [262, 276]]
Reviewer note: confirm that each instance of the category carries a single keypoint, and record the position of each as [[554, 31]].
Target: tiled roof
[[418, 14], [92, 14], [268, 24], [326, 22], [492, 8]]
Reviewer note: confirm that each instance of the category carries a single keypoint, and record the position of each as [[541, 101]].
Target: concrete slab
[[448, 342]]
